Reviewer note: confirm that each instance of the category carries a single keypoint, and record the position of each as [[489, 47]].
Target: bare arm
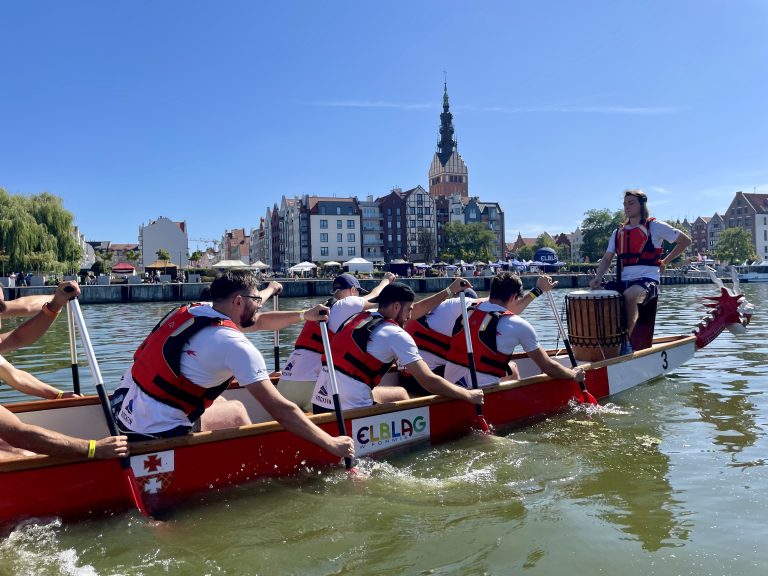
[[28, 384], [554, 369], [280, 320], [24, 306], [605, 263], [272, 288], [425, 306], [388, 279], [294, 420], [36, 326], [543, 283], [682, 242], [440, 386], [43, 441]]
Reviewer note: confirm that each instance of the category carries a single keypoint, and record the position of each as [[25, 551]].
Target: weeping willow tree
[[36, 233]]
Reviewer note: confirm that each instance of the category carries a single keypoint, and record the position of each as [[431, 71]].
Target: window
[[428, 223], [427, 210], [323, 224], [324, 237], [339, 237], [398, 238], [351, 224], [351, 237], [324, 251], [339, 224], [412, 210], [389, 237], [340, 250], [350, 251], [421, 224], [338, 209], [322, 209]]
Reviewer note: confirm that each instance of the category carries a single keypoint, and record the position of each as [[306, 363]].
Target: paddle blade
[[133, 489], [481, 425], [586, 397]]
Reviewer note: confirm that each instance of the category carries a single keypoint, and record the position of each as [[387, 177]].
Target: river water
[[669, 478]]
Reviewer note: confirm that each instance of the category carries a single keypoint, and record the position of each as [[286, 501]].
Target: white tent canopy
[[227, 264], [259, 265], [359, 265], [332, 263], [302, 267]]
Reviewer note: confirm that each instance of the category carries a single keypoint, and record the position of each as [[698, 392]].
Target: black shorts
[[650, 286]]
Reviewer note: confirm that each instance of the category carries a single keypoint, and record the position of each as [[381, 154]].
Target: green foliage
[[597, 228], [37, 233], [469, 242], [196, 256], [525, 253], [563, 253], [163, 254], [734, 246], [667, 246], [98, 268], [544, 241]]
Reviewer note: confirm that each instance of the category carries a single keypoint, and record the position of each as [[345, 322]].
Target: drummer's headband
[[641, 197]]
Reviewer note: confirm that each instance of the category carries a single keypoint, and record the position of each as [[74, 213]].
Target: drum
[[594, 323]]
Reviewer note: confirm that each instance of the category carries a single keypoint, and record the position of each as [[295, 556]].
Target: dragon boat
[[163, 473]]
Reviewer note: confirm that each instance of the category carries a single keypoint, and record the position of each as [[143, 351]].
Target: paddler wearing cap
[[369, 343], [301, 370]]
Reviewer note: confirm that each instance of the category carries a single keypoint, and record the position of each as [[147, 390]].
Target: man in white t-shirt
[[191, 356], [301, 370], [495, 332], [369, 343], [638, 244]]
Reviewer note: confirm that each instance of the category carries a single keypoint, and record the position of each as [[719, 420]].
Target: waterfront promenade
[[185, 292]]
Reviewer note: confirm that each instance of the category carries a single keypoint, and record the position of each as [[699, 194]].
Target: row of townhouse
[[400, 225], [746, 211]]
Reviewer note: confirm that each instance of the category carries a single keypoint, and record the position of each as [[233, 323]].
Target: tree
[[196, 257], [667, 247], [563, 253], [525, 253], [734, 246], [544, 241], [36, 232], [469, 242], [132, 256], [597, 228], [106, 259], [163, 254], [426, 244]]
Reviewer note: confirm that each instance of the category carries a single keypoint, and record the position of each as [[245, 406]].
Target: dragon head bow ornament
[[728, 310]]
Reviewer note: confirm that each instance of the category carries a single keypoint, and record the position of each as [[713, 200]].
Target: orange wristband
[[48, 312]]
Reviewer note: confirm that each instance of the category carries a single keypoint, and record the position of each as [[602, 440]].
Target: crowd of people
[[175, 384]]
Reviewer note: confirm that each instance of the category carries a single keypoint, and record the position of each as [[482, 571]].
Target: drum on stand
[[594, 323]]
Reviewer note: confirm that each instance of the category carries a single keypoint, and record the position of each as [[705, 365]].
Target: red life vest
[[635, 246], [310, 337], [482, 328], [432, 341], [157, 362], [350, 349]]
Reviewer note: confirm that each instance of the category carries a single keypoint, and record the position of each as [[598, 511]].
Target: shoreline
[[302, 288]]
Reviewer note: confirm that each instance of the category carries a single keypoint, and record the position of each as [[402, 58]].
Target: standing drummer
[[637, 244]]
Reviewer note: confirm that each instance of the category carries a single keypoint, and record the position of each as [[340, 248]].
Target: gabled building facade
[[750, 212], [167, 235], [334, 228]]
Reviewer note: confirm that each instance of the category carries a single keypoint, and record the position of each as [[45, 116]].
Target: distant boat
[[755, 272]]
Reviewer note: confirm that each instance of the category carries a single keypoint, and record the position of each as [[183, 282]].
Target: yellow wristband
[[59, 394], [301, 315], [48, 312], [91, 448]]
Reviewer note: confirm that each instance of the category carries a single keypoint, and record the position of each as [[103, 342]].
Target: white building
[[334, 229], [577, 239], [164, 234]]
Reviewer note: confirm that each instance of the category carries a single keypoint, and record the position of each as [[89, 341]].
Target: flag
[[699, 257]]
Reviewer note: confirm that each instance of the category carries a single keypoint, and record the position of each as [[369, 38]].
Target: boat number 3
[[664, 361]]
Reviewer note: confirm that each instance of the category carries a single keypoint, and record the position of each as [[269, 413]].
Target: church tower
[[448, 173]]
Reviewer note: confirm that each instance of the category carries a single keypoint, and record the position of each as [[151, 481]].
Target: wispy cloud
[[558, 109], [646, 110], [375, 104], [660, 190]]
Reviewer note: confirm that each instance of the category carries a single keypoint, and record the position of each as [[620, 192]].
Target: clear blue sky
[[210, 111]]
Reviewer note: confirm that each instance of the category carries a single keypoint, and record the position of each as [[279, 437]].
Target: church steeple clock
[[448, 174]]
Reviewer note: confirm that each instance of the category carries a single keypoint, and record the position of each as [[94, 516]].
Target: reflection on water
[[670, 479]]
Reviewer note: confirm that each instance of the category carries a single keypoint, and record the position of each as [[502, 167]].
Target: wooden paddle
[[480, 422], [586, 397], [125, 463], [277, 336], [335, 389], [73, 351]]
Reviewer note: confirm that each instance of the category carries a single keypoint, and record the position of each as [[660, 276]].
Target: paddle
[[335, 388], [125, 463], [480, 422], [586, 397], [73, 352], [277, 336]]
